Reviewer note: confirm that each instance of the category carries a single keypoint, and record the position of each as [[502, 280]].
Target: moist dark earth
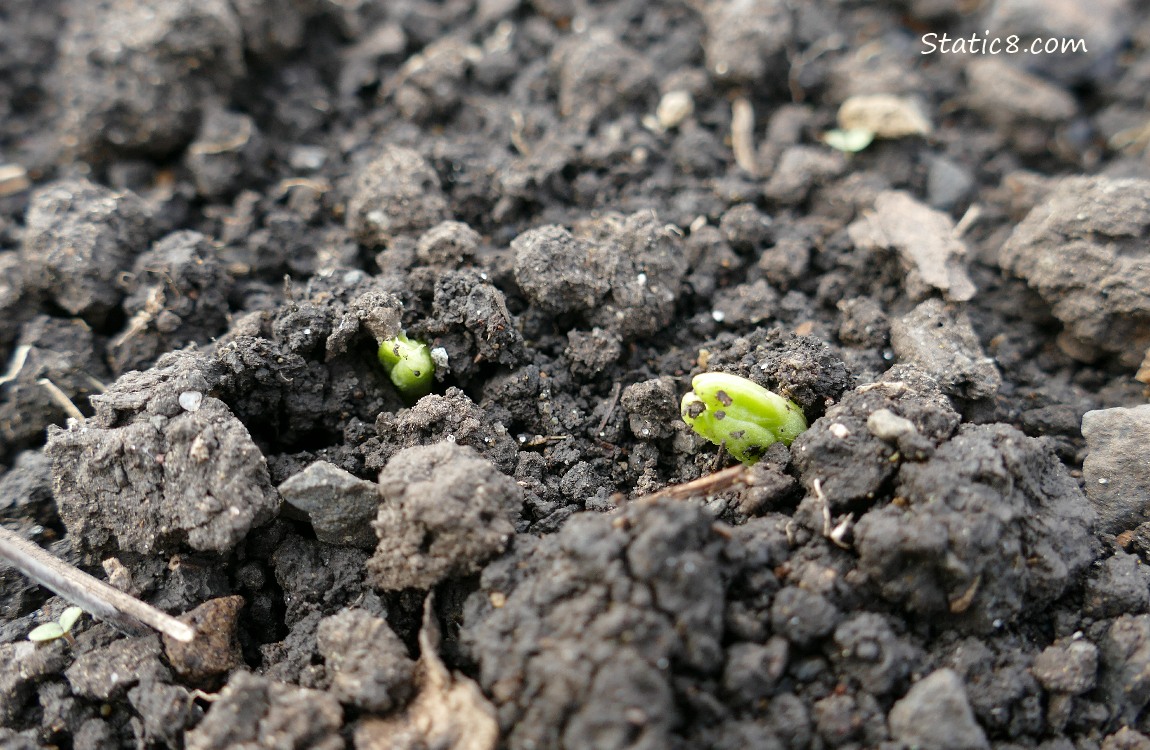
[[212, 211]]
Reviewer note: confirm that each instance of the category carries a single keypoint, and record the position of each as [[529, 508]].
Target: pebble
[[191, 400]]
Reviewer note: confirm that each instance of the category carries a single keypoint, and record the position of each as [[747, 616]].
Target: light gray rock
[[1084, 250], [1117, 466], [340, 505], [940, 340], [1067, 667], [928, 248], [936, 713]]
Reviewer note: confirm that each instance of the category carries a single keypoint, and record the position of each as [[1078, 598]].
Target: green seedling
[[743, 416], [408, 363], [848, 141], [61, 628]]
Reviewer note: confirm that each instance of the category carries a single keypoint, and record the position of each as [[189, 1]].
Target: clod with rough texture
[[446, 511]]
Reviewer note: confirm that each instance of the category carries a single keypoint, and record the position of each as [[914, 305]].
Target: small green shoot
[[61, 628], [734, 412], [848, 141], [408, 363]]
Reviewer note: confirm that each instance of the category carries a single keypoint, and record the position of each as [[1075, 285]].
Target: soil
[[212, 212]]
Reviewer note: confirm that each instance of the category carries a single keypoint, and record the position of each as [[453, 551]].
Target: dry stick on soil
[[93, 595], [717, 482], [19, 357], [61, 399], [743, 135]]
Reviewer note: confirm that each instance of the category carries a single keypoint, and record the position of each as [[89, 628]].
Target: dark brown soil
[[211, 212]]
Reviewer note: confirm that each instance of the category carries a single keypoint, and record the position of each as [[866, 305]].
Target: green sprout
[[743, 416], [848, 141], [61, 628], [408, 363]]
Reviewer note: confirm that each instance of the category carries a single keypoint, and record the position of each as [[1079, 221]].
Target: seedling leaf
[[409, 365], [49, 631], [69, 618], [848, 141], [745, 417]]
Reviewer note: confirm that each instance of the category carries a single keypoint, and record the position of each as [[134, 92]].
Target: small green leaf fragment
[[49, 631], [409, 365], [69, 618], [745, 417], [848, 141]]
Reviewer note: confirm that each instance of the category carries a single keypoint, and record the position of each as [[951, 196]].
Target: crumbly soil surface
[[212, 212]]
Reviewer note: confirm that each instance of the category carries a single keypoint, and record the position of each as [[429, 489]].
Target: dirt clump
[[432, 525]]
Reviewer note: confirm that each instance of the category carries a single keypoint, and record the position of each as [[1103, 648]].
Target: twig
[[91, 594], [743, 135], [61, 399], [19, 357], [615, 391], [717, 482]]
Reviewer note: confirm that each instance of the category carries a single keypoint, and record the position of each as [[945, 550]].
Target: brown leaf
[[450, 711]]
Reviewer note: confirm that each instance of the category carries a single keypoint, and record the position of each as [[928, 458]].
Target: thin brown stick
[[90, 594], [743, 135], [615, 391], [710, 484], [61, 399]]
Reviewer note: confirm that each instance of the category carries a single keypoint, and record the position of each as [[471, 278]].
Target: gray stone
[[1117, 466], [935, 713], [340, 505], [1067, 667], [370, 666], [947, 183], [1084, 250], [928, 248], [940, 340], [884, 424]]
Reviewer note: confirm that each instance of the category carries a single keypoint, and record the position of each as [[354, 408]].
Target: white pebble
[[884, 424], [674, 107], [191, 400]]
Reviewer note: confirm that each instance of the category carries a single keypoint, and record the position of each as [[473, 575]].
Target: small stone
[[439, 357], [1067, 667], [935, 713], [191, 400], [674, 107], [884, 115], [307, 158], [884, 424], [1117, 466], [215, 650], [340, 505]]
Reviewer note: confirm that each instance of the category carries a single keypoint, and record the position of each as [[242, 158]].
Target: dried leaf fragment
[[885, 115], [449, 712]]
